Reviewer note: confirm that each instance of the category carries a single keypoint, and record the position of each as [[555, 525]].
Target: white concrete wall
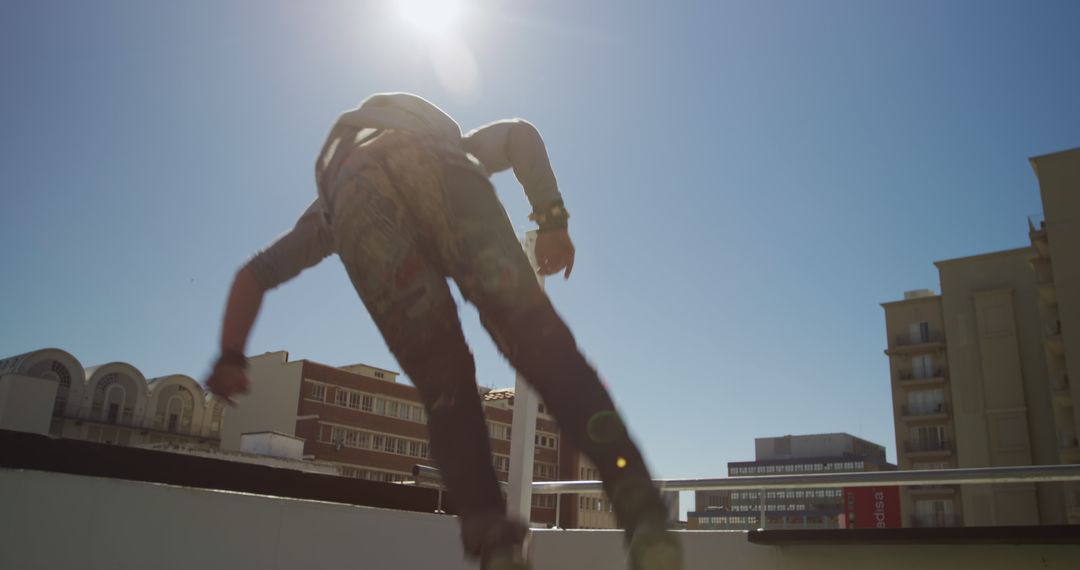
[[26, 403], [272, 403], [818, 445], [109, 524], [272, 444]]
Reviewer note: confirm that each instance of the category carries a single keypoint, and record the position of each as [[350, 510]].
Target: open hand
[[554, 252]]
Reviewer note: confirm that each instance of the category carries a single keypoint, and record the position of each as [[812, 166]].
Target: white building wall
[[818, 445], [272, 402], [26, 403], [272, 444]]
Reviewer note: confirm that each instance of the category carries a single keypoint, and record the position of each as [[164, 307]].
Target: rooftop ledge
[[59, 520], [69, 504]]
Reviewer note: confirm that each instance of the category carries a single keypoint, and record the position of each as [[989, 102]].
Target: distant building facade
[[980, 373], [361, 419], [50, 391], [788, 508]]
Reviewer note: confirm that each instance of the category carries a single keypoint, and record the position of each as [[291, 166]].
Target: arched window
[[54, 370], [215, 417], [175, 409], [114, 399], [115, 395]]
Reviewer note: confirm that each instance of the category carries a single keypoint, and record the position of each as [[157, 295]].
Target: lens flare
[[432, 17]]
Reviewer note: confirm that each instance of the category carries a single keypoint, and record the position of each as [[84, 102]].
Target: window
[[318, 392], [354, 400], [923, 402], [114, 414], [922, 366], [920, 332], [927, 438], [544, 501], [545, 470], [367, 403], [341, 398], [379, 374]]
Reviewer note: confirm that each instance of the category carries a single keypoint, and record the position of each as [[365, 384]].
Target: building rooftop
[[114, 507]]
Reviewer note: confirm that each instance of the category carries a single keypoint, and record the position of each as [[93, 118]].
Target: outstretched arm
[[241, 308], [308, 243]]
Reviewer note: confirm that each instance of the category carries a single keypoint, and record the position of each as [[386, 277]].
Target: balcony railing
[[1060, 383], [925, 410], [928, 446], [936, 520], [905, 340], [922, 374]]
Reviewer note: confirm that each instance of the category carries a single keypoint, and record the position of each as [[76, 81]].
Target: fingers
[[226, 383], [569, 265]]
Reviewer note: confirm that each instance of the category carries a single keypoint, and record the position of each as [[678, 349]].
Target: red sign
[[872, 507]]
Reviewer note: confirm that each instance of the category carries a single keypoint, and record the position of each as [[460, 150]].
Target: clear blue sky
[[748, 181]]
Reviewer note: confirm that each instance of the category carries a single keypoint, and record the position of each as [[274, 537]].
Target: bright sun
[[432, 17]]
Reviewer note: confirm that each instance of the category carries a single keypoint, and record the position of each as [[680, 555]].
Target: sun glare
[[433, 17]]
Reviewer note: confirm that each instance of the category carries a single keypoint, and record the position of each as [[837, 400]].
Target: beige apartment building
[[980, 372]]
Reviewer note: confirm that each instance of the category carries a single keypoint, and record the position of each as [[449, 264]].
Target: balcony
[[913, 379], [928, 448], [1044, 279], [911, 344], [936, 520], [925, 412], [932, 490], [1037, 233], [1059, 386], [1053, 338]]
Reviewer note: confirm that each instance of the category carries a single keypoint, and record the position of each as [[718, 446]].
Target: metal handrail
[[971, 475]]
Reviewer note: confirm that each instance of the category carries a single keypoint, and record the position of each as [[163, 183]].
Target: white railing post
[[523, 430]]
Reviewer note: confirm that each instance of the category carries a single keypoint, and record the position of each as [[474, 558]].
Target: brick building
[[362, 419]]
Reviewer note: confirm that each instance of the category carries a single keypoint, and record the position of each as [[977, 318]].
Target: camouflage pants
[[413, 214]]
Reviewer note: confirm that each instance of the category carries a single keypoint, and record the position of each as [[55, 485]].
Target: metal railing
[[928, 446], [970, 475], [931, 375], [925, 410], [964, 476], [915, 340], [936, 520]]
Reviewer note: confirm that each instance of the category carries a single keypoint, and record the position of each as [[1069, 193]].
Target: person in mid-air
[[405, 201]]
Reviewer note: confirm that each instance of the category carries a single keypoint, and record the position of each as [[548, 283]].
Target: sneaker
[[507, 557], [654, 548], [499, 543]]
